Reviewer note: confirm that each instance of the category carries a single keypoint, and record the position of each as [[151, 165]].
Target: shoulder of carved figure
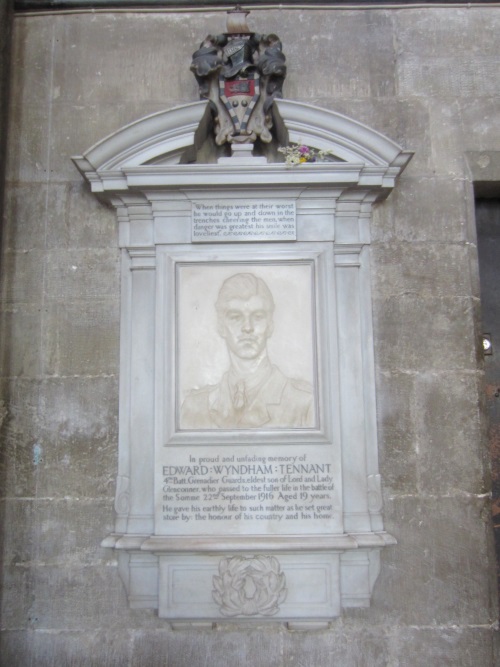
[[301, 385], [199, 391]]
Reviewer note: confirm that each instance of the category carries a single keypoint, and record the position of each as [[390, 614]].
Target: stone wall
[[428, 79], [5, 42]]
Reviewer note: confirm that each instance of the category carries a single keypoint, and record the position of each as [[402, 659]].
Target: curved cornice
[[146, 153], [346, 138], [166, 133]]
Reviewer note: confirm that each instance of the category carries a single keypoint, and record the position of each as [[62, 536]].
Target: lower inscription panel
[[286, 586], [243, 490]]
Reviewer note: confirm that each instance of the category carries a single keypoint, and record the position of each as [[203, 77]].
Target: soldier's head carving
[[245, 308], [253, 392]]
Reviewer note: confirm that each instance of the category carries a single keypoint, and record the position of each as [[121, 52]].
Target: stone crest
[[249, 586], [241, 72]]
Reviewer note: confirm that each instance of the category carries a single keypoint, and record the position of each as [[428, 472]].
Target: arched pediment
[[150, 151], [165, 134]]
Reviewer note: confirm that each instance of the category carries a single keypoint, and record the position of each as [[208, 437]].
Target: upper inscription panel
[[229, 221]]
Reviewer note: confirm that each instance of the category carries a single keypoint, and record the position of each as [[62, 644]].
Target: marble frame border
[[320, 255]]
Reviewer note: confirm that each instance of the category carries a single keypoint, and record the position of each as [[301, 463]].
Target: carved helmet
[[237, 57]]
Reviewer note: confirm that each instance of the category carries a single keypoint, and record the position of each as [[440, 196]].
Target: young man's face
[[246, 324]]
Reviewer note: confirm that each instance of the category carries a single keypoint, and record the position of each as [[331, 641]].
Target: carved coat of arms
[[241, 73]]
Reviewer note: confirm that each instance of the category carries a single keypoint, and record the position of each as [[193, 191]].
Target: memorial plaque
[[248, 483], [252, 451], [228, 221], [242, 490]]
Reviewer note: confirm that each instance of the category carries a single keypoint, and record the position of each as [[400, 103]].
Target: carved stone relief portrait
[[246, 353]]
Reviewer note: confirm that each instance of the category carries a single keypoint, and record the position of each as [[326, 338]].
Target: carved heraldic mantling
[[241, 73]]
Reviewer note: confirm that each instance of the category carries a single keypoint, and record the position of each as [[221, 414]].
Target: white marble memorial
[[248, 485]]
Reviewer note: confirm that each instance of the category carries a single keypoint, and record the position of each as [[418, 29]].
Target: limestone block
[[433, 576], [448, 432], [20, 432], [435, 33], [81, 338], [467, 647], [397, 434], [20, 343], [57, 228], [122, 58], [450, 76], [88, 223], [27, 150], [68, 531], [6, 16], [19, 544], [75, 598], [59, 437], [348, 40], [458, 125], [435, 54], [87, 125], [82, 274], [84, 124], [405, 120], [17, 598], [78, 437], [480, 116], [422, 269], [78, 648], [32, 43], [79, 407], [422, 210], [192, 649], [151, 647], [424, 333], [23, 281], [342, 645], [24, 217], [484, 167]]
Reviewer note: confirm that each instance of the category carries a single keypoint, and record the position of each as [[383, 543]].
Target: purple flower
[[303, 150]]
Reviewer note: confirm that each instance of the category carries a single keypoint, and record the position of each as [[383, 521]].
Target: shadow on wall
[[488, 245], [5, 47]]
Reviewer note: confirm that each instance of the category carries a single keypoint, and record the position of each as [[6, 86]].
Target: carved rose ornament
[[249, 586]]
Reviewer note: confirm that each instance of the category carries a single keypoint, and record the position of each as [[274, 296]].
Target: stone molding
[[139, 170], [146, 154]]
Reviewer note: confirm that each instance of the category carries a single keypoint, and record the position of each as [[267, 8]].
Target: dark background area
[[488, 242], [30, 5]]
